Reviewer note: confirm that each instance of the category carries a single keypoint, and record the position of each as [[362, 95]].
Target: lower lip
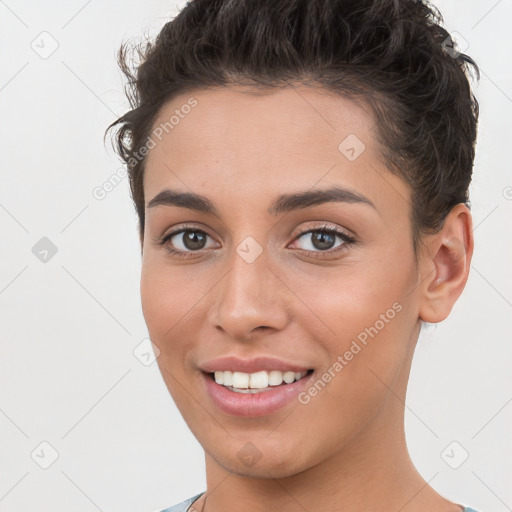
[[254, 404]]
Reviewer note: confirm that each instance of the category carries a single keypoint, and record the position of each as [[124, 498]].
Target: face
[[266, 278]]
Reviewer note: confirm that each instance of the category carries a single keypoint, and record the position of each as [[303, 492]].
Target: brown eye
[[185, 241], [193, 240], [323, 240]]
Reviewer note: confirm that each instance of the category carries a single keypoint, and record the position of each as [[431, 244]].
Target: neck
[[372, 471]]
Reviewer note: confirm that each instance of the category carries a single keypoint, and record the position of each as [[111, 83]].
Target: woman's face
[[257, 287]]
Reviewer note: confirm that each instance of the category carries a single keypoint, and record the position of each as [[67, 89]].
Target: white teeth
[[275, 378], [289, 377], [227, 379], [257, 380], [240, 380]]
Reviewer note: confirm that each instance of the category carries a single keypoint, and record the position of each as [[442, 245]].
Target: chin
[[277, 465], [260, 456]]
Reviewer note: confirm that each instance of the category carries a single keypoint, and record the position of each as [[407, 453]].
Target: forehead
[[259, 142]]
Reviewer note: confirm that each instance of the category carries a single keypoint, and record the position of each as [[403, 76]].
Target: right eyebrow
[[192, 201]]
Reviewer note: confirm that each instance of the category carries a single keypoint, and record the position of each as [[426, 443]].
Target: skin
[[345, 449]]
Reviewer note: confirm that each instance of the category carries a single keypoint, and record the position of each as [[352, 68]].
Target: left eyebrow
[[284, 203], [309, 198]]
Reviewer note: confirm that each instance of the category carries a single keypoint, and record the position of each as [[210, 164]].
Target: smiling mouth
[[257, 382]]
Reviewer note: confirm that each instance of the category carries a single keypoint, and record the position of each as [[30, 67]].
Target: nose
[[251, 298]]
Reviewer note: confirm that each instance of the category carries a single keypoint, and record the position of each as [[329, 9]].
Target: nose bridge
[[249, 294]]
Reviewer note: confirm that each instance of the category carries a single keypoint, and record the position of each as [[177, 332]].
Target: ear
[[446, 261]]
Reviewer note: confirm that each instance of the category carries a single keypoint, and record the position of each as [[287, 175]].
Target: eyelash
[[347, 240]]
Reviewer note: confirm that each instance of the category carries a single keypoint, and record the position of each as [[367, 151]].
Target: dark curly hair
[[392, 54]]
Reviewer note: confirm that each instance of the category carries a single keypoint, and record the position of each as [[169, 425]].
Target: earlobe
[[448, 258]]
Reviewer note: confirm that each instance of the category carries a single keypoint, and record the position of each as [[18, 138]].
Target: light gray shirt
[[184, 506]]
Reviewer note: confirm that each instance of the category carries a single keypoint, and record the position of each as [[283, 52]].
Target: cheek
[[167, 296], [353, 299], [174, 302], [165, 305], [371, 324], [158, 303]]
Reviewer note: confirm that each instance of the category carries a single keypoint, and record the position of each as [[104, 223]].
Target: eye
[[324, 239], [184, 241]]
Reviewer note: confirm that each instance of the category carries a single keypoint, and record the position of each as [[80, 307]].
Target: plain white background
[[69, 325]]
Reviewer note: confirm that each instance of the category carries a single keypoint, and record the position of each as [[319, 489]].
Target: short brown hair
[[390, 53]]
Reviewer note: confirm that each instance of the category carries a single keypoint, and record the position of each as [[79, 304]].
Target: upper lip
[[255, 364]]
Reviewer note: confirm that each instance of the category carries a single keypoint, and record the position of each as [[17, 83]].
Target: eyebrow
[[284, 203]]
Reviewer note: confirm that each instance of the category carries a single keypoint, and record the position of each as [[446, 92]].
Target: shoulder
[[184, 505]]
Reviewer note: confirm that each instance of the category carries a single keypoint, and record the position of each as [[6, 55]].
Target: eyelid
[[325, 226], [163, 239], [348, 239]]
